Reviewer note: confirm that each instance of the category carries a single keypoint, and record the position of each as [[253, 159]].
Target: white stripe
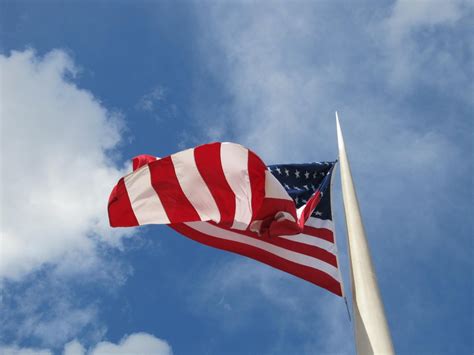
[[145, 202], [299, 211], [274, 189], [319, 223], [311, 240], [234, 160], [194, 186], [289, 255]]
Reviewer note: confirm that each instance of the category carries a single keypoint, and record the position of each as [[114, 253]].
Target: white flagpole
[[370, 325]]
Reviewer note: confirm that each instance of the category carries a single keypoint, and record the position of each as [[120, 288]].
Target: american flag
[[223, 195]]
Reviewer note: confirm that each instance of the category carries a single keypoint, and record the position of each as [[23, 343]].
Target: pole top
[[340, 139]]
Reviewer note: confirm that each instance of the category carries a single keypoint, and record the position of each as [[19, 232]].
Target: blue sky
[[85, 86]]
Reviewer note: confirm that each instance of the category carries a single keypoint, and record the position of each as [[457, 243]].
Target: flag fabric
[[224, 196]]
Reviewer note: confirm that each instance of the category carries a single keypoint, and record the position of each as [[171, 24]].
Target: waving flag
[[224, 196]]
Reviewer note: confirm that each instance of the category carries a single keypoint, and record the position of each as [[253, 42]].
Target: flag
[[224, 196]]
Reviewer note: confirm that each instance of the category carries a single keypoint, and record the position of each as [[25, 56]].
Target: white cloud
[[74, 348], [138, 343], [55, 171], [13, 350]]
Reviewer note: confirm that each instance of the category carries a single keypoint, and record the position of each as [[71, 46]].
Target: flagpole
[[372, 334]]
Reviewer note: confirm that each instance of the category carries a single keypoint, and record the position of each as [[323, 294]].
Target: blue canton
[[301, 181]]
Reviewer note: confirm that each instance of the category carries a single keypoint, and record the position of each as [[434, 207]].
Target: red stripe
[[314, 276], [141, 160], [309, 208], [119, 207], [166, 184], [322, 233], [272, 227], [209, 164], [272, 205]]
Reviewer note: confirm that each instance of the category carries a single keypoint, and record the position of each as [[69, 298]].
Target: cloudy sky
[[85, 86]]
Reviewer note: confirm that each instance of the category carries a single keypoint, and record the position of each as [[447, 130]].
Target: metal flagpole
[[370, 325]]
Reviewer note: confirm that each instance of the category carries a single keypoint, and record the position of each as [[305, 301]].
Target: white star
[[304, 201], [287, 172], [279, 171], [297, 200], [306, 187], [287, 187], [297, 174], [306, 174], [314, 175], [318, 213], [313, 187]]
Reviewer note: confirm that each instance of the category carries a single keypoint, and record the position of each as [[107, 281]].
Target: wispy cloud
[[156, 103], [233, 294], [45, 307], [425, 44], [400, 77]]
